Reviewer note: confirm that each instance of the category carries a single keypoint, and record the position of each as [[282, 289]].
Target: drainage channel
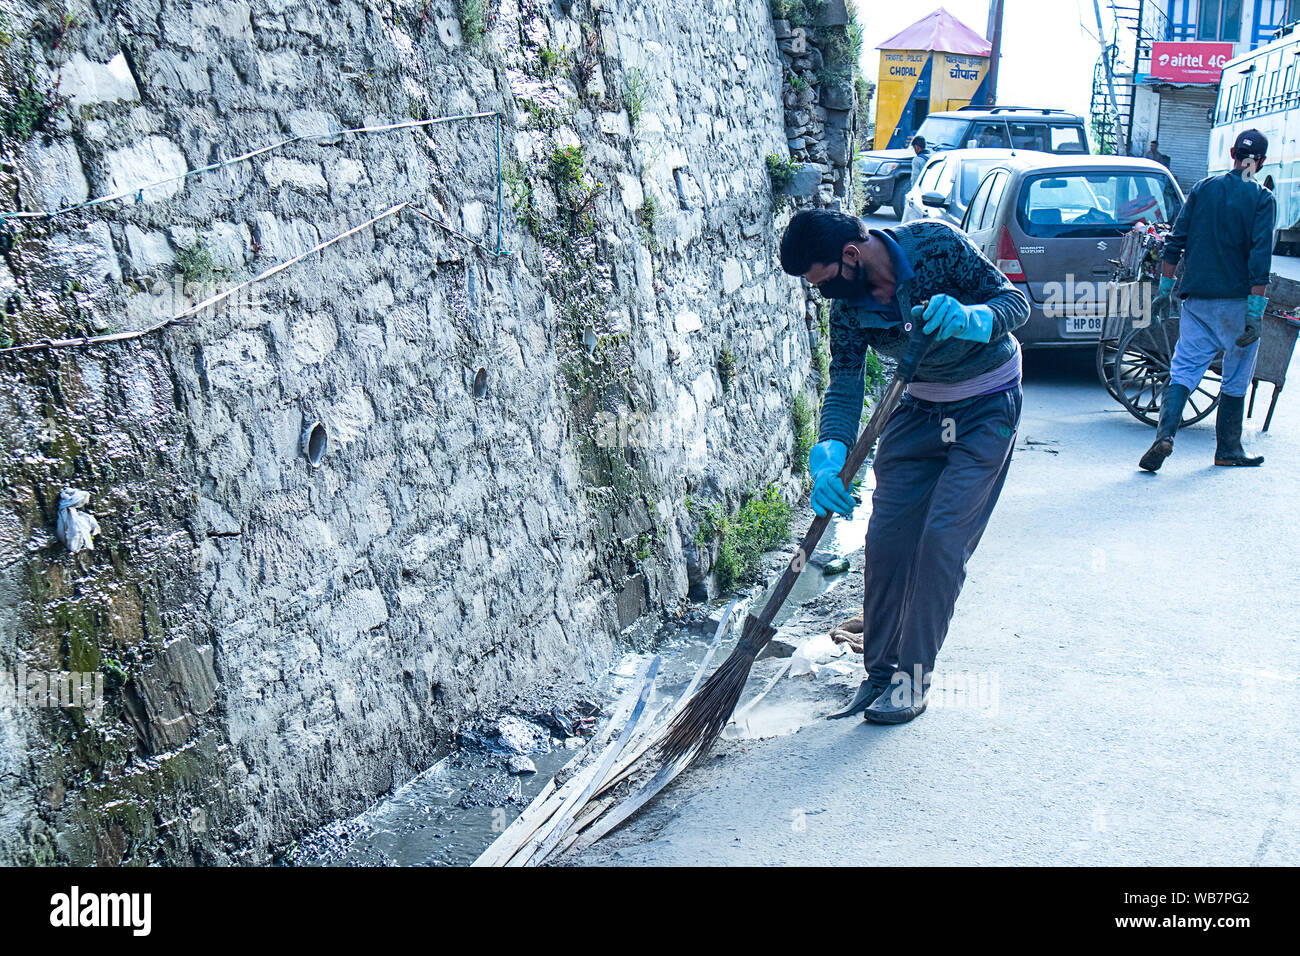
[[451, 812]]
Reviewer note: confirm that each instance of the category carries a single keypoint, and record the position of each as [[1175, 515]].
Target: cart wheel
[[1107, 351], [1142, 375]]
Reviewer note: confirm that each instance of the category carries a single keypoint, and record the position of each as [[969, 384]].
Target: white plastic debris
[[812, 652], [75, 529], [518, 765], [841, 668], [521, 737]]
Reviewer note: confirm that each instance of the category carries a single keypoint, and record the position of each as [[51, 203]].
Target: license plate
[[1083, 324]]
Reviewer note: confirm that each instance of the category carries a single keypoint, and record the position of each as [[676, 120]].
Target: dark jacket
[[1226, 231], [944, 260], [918, 164]]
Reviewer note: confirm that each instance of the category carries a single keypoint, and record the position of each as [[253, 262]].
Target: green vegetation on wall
[[473, 20], [761, 524], [805, 432], [780, 173]]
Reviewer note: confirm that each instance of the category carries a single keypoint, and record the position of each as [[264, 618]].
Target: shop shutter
[[1184, 131]]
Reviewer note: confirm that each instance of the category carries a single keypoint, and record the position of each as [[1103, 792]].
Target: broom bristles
[[707, 712]]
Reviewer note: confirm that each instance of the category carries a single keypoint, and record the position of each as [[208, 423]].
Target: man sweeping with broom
[[944, 452]]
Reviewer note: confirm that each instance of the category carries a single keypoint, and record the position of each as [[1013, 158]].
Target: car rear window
[[1094, 204]]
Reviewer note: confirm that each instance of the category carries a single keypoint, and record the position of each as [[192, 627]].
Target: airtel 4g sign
[[1189, 62]]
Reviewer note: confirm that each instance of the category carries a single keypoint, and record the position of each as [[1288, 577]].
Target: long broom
[[703, 718]]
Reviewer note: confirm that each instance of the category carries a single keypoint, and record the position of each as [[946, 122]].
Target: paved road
[[1142, 634]]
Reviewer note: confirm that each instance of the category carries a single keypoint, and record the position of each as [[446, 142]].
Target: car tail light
[[1009, 258]]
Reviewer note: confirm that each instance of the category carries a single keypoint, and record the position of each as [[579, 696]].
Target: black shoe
[[1227, 429], [868, 691], [899, 703]]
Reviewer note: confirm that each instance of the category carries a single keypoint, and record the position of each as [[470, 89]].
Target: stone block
[[168, 70], [687, 322], [343, 174], [732, 276], [147, 249], [229, 244], [837, 96], [164, 702], [306, 176], [833, 13], [837, 147], [149, 160], [314, 123], [57, 175], [615, 124], [86, 82], [807, 179], [282, 240], [473, 218]]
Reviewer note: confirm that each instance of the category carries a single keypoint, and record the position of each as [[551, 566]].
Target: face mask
[[840, 286]]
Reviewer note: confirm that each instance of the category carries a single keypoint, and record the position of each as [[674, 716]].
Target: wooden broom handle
[[920, 344]]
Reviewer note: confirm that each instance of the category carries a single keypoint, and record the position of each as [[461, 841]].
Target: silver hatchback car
[[1053, 225], [947, 183]]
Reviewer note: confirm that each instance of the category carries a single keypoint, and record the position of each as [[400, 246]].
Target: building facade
[[1169, 75]]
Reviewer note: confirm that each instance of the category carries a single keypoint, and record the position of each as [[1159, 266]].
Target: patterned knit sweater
[[944, 261]]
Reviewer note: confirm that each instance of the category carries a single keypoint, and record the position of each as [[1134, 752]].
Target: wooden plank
[[538, 846], [590, 814], [627, 765], [544, 805], [541, 814], [504, 846], [632, 804]]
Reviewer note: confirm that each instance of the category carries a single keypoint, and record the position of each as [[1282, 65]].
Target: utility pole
[[994, 36]]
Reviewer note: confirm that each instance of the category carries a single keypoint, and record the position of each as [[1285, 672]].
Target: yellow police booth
[[936, 64]]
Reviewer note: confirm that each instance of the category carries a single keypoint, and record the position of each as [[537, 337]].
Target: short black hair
[[817, 235], [919, 141]]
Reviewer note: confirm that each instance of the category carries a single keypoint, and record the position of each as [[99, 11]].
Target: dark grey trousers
[[939, 470]]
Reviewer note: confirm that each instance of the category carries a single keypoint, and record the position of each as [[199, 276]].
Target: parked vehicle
[[887, 173], [1054, 223], [1261, 90], [948, 182]]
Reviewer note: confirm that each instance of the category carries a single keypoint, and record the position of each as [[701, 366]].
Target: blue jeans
[[1208, 326], [939, 471]]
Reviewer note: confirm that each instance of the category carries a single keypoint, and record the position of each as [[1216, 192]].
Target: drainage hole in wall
[[314, 442]]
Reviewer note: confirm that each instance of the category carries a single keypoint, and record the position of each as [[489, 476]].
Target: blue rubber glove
[[1160, 305], [828, 492], [1255, 305], [947, 318]]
